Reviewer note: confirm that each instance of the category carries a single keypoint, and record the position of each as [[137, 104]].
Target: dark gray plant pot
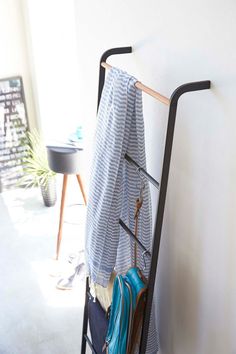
[[49, 193]]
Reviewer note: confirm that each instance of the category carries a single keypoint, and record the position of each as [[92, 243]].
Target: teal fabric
[[124, 297], [134, 278]]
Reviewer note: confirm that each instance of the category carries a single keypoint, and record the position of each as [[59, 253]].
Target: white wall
[[14, 57], [53, 48], [176, 42]]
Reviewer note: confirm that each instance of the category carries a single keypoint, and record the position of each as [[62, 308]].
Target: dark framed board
[[13, 129]]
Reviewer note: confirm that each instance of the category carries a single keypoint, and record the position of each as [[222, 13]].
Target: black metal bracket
[[192, 86], [85, 318], [108, 53], [142, 171], [90, 344], [134, 238], [113, 51]]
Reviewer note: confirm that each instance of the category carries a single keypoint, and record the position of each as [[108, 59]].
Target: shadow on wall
[[180, 263]]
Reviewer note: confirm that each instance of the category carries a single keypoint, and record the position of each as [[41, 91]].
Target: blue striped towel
[[115, 184]]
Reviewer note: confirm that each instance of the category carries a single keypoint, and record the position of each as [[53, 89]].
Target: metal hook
[[141, 189], [143, 255]]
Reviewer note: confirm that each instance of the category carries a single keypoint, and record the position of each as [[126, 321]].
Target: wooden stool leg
[[81, 188], [63, 194]]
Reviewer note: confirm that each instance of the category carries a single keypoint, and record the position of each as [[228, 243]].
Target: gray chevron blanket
[[115, 184]]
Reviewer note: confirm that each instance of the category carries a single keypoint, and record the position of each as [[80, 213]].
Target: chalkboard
[[13, 130]]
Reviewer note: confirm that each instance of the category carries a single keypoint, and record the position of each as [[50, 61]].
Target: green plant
[[35, 165]]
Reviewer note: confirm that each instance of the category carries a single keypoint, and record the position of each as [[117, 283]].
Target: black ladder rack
[[162, 186]]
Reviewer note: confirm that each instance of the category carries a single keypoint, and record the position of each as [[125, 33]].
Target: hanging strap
[[138, 205]]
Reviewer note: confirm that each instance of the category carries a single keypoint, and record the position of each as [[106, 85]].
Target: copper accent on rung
[[144, 88]]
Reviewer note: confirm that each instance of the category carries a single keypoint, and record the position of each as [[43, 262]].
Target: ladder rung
[[130, 233], [90, 344], [142, 171]]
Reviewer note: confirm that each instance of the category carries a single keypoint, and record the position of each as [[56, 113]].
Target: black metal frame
[[162, 186], [102, 70]]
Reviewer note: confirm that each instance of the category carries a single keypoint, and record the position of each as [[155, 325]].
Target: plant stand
[[66, 161]]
